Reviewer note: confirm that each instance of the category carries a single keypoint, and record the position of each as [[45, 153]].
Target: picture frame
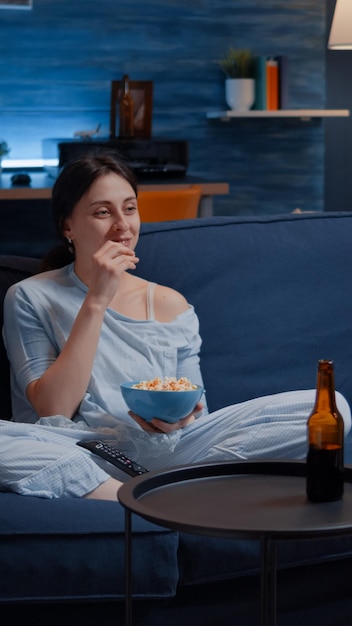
[[16, 4], [142, 95]]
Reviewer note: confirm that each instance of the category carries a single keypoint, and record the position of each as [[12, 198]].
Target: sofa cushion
[[74, 549]]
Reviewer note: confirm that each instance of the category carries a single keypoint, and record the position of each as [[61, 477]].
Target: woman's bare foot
[[106, 491]]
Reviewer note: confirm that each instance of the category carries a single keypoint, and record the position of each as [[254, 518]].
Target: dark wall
[[338, 140], [57, 62]]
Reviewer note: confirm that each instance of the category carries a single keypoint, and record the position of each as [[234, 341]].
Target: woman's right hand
[[110, 261]]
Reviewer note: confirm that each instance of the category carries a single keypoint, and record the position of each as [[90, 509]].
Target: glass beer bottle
[[325, 457], [126, 109]]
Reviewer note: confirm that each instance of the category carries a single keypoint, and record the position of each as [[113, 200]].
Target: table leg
[[128, 568], [205, 206], [268, 582]]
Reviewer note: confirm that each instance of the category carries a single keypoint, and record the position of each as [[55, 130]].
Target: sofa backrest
[[12, 269], [273, 296]]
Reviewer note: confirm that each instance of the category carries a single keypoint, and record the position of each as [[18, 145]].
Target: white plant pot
[[240, 93]]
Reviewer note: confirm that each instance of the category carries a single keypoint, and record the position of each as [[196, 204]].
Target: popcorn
[[166, 384]]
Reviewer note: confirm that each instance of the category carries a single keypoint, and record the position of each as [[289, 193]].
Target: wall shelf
[[302, 114]]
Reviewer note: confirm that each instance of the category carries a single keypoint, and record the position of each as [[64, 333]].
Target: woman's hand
[[159, 426], [110, 261]]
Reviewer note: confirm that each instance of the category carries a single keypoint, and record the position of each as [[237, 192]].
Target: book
[[272, 84], [260, 83], [283, 80]]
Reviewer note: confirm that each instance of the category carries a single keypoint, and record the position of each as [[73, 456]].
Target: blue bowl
[[169, 406]]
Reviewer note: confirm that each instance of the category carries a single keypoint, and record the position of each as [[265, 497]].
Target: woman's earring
[[70, 246]]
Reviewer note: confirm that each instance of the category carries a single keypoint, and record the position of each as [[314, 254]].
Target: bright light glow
[[29, 163], [341, 29]]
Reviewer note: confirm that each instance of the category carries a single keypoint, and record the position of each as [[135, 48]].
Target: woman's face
[[107, 211]]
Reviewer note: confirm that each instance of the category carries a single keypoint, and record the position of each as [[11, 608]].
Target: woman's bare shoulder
[[168, 303]]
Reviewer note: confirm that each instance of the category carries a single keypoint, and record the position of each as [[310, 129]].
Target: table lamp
[[341, 28]]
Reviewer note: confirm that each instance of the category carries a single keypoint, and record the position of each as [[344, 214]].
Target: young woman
[[77, 330]]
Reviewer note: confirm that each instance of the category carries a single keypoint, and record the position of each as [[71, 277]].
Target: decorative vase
[[240, 93]]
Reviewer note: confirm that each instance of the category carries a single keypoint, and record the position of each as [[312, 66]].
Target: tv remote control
[[114, 456]]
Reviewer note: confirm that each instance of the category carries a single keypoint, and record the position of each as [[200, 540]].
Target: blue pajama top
[[38, 316]]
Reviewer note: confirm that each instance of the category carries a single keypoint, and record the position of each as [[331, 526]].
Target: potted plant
[[238, 67], [4, 150]]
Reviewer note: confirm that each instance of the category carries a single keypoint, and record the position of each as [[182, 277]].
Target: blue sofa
[[273, 296]]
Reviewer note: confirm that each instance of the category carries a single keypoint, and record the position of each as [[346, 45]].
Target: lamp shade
[[341, 28]]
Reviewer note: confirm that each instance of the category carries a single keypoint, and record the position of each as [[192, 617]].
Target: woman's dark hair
[[71, 184]]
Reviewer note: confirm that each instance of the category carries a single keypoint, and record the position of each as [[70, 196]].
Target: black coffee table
[[258, 500]]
